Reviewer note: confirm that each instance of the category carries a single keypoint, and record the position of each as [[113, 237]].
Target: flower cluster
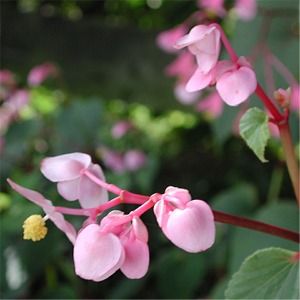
[[118, 241]]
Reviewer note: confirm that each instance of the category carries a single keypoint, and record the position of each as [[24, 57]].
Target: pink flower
[[120, 129], [134, 159], [245, 9], [183, 66], [167, 39], [56, 217], [188, 224], [117, 243], [68, 171], [185, 97], [204, 42], [295, 98], [215, 6], [236, 83], [40, 73], [211, 104], [113, 160]]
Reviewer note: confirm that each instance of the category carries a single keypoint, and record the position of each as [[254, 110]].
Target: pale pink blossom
[[113, 160], [68, 171], [134, 159], [185, 97], [183, 66], [167, 39], [211, 104], [245, 9], [215, 6], [40, 73], [188, 224], [117, 243], [121, 128], [56, 217], [236, 83], [204, 42], [7, 83]]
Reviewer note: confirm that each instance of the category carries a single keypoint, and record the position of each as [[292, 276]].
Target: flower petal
[[97, 255], [235, 87], [69, 189], [192, 228], [64, 167], [136, 261], [139, 229], [91, 194], [199, 81]]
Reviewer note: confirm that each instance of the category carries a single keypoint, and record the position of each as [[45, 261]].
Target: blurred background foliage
[[111, 69]]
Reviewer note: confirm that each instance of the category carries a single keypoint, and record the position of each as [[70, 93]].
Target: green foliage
[[267, 274], [255, 131]]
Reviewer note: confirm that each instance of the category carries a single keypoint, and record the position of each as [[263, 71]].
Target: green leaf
[[255, 131], [267, 274]]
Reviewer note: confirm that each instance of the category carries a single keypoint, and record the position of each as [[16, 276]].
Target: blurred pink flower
[[295, 98], [134, 159], [245, 9], [211, 104], [113, 160], [117, 243], [188, 224], [56, 217], [7, 79], [68, 171], [204, 42], [40, 73], [121, 128], [167, 39], [185, 97], [183, 66], [215, 6]]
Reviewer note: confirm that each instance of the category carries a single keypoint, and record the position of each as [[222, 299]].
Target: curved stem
[[256, 225], [290, 157]]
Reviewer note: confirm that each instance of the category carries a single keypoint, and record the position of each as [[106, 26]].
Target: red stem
[[256, 225]]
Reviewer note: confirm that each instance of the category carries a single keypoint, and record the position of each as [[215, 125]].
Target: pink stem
[[146, 206]]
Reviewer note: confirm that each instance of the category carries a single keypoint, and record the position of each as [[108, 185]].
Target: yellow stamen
[[34, 228]]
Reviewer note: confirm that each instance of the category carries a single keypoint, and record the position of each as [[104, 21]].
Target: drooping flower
[[214, 6], [117, 243], [72, 183], [134, 159], [121, 128], [188, 224], [33, 228], [166, 39], [211, 104], [204, 42], [40, 73]]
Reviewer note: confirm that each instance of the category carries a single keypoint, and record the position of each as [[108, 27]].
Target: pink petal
[[161, 212], [199, 81], [139, 229], [235, 87], [177, 196], [136, 261], [64, 167], [97, 255], [196, 34], [192, 228], [91, 194], [31, 195], [134, 159], [245, 9], [185, 97], [212, 104], [167, 39], [69, 189]]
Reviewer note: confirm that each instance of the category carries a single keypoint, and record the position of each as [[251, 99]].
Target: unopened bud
[[283, 97]]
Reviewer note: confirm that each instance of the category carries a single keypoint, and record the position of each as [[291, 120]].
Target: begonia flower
[[113, 160], [166, 39], [185, 97], [204, 42], [68, 171], [211, 104], [120, 129], [214, 6], [117, 243], [188, 224], [40, 73], [236, 82], [56, 217], [245, 9], [134, 159]]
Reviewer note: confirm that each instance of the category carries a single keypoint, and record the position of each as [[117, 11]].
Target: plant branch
[[257, 226]]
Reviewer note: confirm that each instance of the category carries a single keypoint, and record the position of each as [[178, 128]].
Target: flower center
[[34, 228]]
